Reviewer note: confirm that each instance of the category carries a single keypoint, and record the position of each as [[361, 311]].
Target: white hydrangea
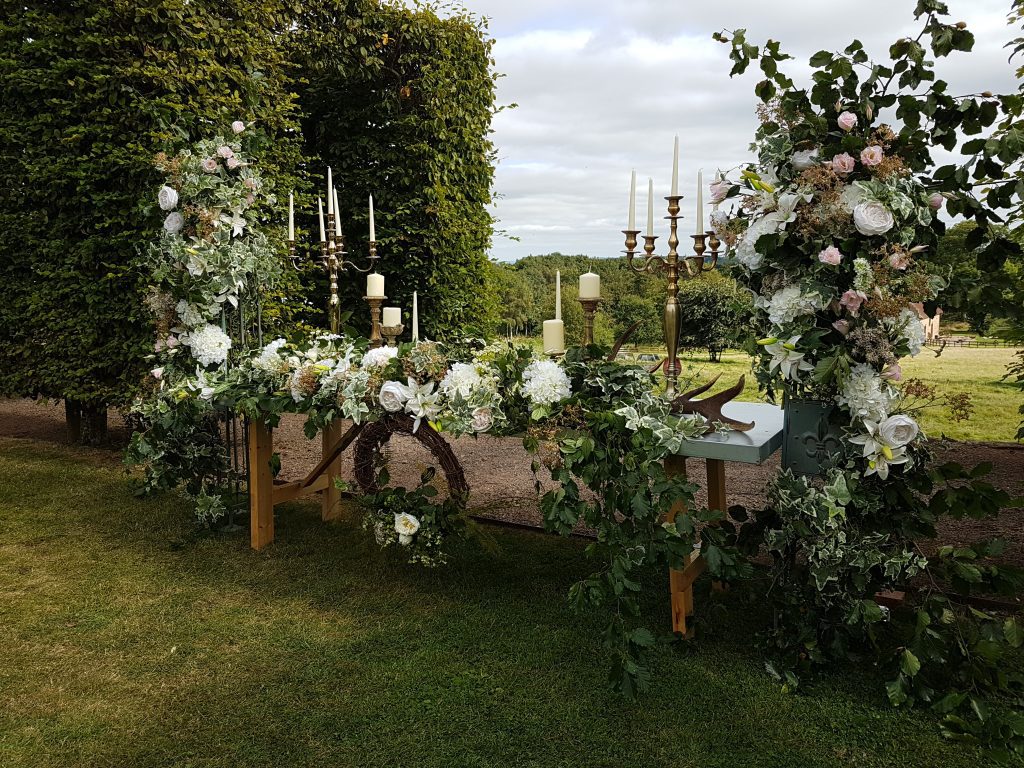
[[190, 315], [379, 356], [544, 382], [462, 379], [746, 253], [209, 344], [269, 360], [789, 303], [866, 394]]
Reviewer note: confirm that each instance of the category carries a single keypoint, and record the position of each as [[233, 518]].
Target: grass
[[131, 639]]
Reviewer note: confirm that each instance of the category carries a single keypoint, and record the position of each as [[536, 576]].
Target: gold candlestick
[[391, 333], [589, 310], [375, 302]]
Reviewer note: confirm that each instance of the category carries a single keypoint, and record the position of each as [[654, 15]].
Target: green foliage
[[399, 102], [90, 92]]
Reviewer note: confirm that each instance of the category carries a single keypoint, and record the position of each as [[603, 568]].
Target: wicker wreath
[[376, 434]]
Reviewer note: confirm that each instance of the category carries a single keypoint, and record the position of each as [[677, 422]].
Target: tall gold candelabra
[[333, 257], [675, 267]]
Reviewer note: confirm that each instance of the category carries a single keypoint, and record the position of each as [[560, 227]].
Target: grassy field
[[130, 639], [977, 371]]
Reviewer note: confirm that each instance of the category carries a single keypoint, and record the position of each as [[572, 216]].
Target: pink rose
[[719, 190], [250, 183], [852, 300], [238, 126], [847, 121], [843, 164], [225, 151], [843, 326], [250, 198], [936, 200], [172, 342], [830, 255], [899, 260], [210, 165], [157, 373], [159, 346], [233, 162], [871, 156], [893, 372]]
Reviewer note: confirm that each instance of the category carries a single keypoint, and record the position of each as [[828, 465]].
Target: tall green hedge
[[399, 103], [90, 89]]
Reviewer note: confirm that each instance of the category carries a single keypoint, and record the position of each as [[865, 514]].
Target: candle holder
[[391, 333], [589, 310], [375, 302], [675, 268]]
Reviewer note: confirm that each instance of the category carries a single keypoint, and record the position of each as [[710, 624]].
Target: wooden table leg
[[716, 497], [330, 501], [261, 485], [681, 582]]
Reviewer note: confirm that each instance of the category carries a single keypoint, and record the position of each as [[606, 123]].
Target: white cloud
[[603, 86]]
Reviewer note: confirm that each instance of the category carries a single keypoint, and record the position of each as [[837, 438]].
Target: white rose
[[872, 219], [392, 396], [808, 158], [174, 222], [483, 419], [238, 126], [168, 198], [406, 526], [897, 431]]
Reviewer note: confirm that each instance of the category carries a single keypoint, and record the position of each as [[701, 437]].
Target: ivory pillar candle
[[392, 316], [632, 202], [558, 295], [320, 210], [554, 337], [415, 317], [375, 286], [291, 217], [590, 286]]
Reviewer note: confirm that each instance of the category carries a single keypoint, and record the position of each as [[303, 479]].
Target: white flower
[[866, 394], [225, 151], [462, 379], [190, 315], [379, 356], [789, 303], [878, 452], [420, 401], [785, 212], [209, 344], [786, 357], [210, 165], [157, 373], [174, 222], [544, 382], [167, 197], [852, 197], [898, 430], [872, 218], [746, 252], [805, 159], [406, 526], [483, 418], [238, 126], [380, 533], [202, 385], [392, 396], [911, 330], [269, 359]]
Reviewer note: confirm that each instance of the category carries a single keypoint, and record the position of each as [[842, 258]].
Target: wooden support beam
[[334, 443], [261, 485], [295, 490], [716, 497], [681, 582], [337, 448]]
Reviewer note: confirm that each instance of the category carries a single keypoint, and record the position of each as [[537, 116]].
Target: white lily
[[421, 401], [880, 454], [786, 357]]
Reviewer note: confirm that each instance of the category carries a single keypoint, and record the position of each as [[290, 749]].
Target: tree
[[90, 91], [714, 310], [399, 103]]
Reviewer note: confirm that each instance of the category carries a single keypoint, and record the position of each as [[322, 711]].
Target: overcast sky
[[603, 86]]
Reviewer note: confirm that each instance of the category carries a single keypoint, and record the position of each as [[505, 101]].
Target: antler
[[623, 339], [711, 407]]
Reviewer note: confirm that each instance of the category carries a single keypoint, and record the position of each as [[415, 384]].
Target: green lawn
[[977, 371], [129, 639]]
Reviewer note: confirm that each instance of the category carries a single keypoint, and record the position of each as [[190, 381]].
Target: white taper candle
[[415, 317], [700, 202], [558, 295], [320, 210], [675, 168], [373, 228], [632, 202], [330, 186], [337, 215], [650, 206], [291, 216]]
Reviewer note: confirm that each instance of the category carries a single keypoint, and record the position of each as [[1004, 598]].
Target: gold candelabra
[[333, 257], [675, 267], [375, 302]]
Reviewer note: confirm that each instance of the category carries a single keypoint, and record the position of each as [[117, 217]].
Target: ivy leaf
[[909, 663]]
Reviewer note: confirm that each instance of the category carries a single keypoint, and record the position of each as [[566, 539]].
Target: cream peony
[[167, 197], [872, 219], [406, 527], [392, 396], [483, 419], [898, 431]]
